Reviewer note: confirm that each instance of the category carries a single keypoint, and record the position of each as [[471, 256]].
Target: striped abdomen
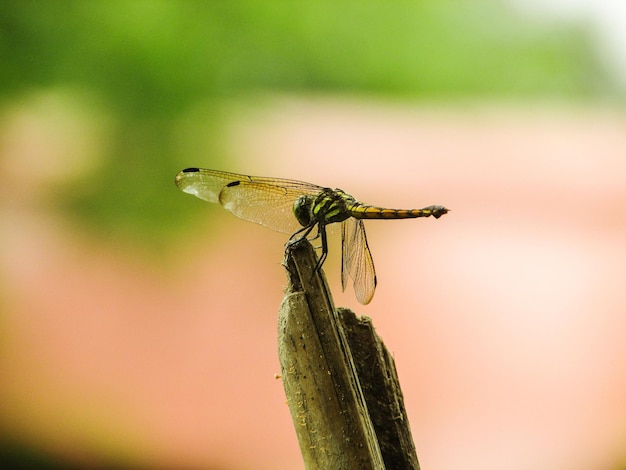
[[360, 211]]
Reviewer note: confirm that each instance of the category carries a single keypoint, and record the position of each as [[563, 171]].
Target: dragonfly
[[296, 208]]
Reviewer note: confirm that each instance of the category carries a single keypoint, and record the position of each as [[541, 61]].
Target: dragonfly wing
[[266, 201], [357, 260], [205, 184], [262, 203]]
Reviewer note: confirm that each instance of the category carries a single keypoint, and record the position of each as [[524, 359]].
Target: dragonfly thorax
[[327, 207]]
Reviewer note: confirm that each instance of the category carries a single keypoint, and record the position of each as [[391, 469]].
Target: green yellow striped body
[[361, 211], [334, 205]]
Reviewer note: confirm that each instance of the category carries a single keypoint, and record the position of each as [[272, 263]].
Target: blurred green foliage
[[151, 62]]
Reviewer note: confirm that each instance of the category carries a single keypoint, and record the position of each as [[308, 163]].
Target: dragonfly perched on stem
[[296, 207]]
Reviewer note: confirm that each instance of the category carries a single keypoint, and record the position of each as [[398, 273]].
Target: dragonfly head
[[302, 210]]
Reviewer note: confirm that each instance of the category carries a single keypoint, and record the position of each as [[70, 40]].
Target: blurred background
[[138, 324]]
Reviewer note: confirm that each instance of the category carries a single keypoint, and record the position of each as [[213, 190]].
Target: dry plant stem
[[340, 381]]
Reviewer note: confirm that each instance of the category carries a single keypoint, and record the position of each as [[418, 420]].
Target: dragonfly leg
[[299, 235], [302, 234], [321, 232], [316, 246]]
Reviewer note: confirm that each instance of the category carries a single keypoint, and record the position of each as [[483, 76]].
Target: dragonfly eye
[[302, 210]]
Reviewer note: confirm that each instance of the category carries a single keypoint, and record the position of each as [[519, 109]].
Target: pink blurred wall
[[506, 317]]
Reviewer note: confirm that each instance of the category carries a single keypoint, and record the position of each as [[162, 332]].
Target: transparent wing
[[265, 201], [357, 260]]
